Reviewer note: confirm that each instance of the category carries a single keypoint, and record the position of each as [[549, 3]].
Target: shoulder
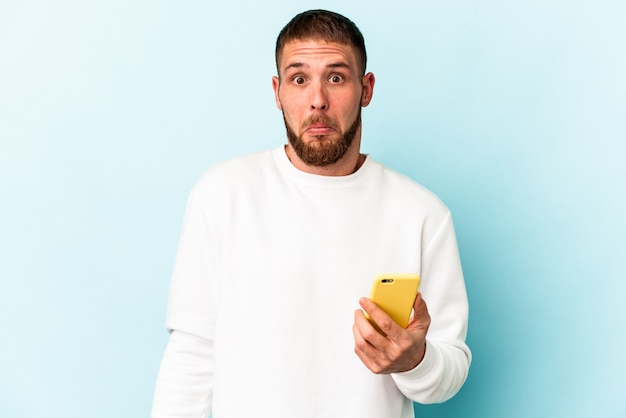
[[413, 204], [238, 166], [400, 187], [244, 170]]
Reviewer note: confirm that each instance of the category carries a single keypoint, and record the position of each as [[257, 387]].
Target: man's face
[[320, 92]]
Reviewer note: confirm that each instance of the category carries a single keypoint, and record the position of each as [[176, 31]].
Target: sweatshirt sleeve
[[185, 380], [194, 289], [446, 363], [184, 383]]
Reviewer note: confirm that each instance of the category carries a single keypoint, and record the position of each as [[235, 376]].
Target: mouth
[[319, 129]]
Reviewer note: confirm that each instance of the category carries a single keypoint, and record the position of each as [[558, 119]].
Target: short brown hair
[[322, 25]]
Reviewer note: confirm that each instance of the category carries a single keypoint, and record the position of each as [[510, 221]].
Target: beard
[[325, 150]]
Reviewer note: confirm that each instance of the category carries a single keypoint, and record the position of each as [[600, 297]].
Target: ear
[[368, 89], [276, 87]]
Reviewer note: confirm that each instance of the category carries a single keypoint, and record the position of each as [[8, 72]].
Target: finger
[[419, 302], [360, 342], [382, 320], [367, 353], [367, 331], [421, 317], [370, 345]]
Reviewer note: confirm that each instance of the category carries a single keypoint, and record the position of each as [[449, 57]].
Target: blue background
[[512, 112]]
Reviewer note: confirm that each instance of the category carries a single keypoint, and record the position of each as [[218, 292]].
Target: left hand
[[398, 351]]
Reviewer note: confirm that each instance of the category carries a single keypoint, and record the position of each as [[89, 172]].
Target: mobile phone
[[395, 294]]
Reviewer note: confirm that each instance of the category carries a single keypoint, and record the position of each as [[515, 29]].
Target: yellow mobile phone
[[395, 293]]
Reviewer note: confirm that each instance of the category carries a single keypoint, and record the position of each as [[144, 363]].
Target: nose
[[319, 97]]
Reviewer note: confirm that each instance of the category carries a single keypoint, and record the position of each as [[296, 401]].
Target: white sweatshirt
[[270, 267]]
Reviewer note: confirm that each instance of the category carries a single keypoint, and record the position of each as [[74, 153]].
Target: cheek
[[291, 117], [293, 102], [350, 102], [291, 108], [351, 109]]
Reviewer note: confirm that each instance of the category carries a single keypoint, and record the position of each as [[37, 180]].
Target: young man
[[278, 247]]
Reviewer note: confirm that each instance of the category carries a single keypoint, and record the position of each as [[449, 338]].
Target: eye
[[336, 78], [298, 80]]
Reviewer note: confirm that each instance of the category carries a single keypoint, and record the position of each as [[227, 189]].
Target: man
[[278, 247]]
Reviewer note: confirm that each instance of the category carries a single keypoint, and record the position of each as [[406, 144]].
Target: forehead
[[311, 51]]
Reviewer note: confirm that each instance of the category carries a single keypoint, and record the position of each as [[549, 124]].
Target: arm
[[185, 380], [428, 361]]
